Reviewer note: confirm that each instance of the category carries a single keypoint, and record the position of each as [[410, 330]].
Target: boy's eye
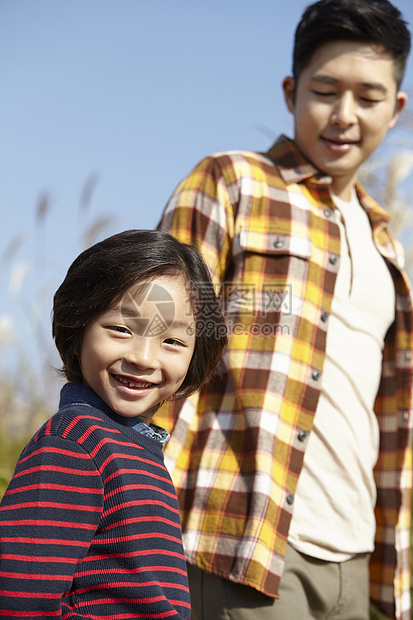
[[120, 329], [174, 342]]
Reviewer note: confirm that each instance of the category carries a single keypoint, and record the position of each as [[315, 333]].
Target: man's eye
[[322, 94]]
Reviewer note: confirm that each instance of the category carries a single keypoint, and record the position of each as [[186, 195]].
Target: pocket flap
[[275, 243]]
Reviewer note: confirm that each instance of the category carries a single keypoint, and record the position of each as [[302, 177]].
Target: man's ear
[[289, 93], [401, 102]]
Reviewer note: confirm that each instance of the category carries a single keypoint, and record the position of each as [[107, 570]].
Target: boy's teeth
[[134, 384]]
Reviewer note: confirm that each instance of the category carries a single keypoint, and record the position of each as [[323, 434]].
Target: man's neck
[[343, 187]]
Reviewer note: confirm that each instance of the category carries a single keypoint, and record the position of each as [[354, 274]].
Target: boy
[[89, 525], [319, 360]]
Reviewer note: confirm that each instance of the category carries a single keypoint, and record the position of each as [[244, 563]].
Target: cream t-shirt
[[333, 516]]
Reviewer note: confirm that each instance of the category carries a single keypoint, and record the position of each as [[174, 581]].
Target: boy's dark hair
[[376, 22], [104, 272]]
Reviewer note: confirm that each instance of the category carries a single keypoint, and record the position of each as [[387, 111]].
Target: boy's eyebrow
[[328, 79], [129, 311], [180, 324]]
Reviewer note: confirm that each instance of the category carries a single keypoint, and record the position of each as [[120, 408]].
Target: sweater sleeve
[[48, 518]]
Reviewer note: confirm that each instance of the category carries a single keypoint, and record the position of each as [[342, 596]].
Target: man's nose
[[344, 110]]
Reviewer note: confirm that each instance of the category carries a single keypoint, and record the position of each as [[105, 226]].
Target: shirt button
[[316, 374], [408, 355], [278, 243], [324, 317], [302, 436], [290, 499], [333, 259], [327, 212]]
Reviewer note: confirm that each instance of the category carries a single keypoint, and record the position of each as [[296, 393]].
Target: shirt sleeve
[[201, 212], [48, 518]]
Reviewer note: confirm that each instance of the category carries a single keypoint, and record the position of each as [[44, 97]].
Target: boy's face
[[343, 105], [138, 352]]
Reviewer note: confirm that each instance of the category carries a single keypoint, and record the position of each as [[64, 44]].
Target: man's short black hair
[[99, 277], [375, 22]]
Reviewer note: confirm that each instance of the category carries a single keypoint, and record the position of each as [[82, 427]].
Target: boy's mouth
[[137, 385]]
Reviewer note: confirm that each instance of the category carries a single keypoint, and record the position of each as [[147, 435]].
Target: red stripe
[[132, 554], [90, 430], [116, 442], [133, 616], [144, 472], [138, 487], [78, 418], [51, 505], [34, 614], [52, 450], [141, 502], [148, 519], [56, 487], [45, 541], [130, 457], [136, 601], [20, 594], [139, 537], [39, 558], [55, 468], [41, 576], [48, 523], [132, 584], [136, 570]]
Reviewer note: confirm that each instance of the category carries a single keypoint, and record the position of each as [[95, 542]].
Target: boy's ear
[[401, 102], [289, 93]]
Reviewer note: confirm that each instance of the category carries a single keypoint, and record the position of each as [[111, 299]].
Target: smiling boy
[[293, 470], [89, 524]]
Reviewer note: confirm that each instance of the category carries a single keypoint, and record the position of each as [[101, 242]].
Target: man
[[293, 467]]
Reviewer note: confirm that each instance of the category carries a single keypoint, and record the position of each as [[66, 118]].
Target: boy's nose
[[344, 111], [143, 353]]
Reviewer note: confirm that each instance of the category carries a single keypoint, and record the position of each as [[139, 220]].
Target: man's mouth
[[339, 143], [137, 385]]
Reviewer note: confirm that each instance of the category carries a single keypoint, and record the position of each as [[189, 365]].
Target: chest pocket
[[271, 266], [272, 245]]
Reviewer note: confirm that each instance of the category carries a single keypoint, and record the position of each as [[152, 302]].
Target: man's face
[[343, 105]]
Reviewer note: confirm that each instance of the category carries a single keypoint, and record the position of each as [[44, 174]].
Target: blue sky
[[122, 97]]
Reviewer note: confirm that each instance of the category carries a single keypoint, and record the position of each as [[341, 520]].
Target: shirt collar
[[294, 167], [291, 163], [80, 393]]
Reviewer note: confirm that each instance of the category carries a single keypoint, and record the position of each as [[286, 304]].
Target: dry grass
[[28, 386]]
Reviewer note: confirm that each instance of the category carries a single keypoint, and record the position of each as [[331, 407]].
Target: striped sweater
[[89, 525]]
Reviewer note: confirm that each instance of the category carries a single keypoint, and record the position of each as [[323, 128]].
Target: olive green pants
[[310, 589]]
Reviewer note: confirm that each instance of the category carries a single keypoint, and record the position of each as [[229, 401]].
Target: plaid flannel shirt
[[266, 225]]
